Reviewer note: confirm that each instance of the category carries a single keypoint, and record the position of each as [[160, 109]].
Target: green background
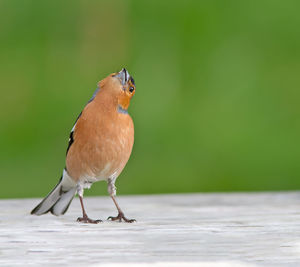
[[217, 100]]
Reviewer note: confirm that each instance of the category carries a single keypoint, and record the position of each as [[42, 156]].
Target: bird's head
[[120, 85]]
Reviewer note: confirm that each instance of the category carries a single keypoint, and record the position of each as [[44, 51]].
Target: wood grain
[[255, 229]]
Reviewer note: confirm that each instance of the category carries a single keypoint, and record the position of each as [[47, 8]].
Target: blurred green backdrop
[[217, 100]]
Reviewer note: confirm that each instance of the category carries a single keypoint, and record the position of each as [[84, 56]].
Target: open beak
[[123, 76]]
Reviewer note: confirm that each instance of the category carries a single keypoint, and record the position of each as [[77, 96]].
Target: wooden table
[[239, 229]]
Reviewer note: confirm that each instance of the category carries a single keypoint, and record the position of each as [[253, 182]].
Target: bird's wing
[[71, 138]]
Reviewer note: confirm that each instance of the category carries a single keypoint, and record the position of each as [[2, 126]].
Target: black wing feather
[[71, 139]]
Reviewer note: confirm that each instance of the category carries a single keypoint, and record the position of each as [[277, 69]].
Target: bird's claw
[[86, 219], [120, 217]]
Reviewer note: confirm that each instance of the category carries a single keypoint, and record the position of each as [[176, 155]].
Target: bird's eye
[[131, 89]]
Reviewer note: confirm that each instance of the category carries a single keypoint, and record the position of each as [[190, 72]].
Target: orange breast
[[103, 140]]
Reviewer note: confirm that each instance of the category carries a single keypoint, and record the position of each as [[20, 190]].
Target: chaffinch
[[99, 147]]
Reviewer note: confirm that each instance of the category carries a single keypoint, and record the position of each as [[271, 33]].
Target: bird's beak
[[123, 76]]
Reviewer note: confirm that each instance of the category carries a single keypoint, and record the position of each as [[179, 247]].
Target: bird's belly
[[99, 175], [106, 162], [102, 156]]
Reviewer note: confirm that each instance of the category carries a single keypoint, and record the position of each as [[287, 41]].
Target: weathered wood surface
[[184, 230]]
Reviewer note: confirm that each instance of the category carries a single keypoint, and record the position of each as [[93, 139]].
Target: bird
[[99, 147]]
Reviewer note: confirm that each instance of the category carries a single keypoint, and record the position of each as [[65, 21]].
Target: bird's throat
[[124, 101]]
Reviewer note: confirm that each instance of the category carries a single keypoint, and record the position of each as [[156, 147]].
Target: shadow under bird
[[100, 145]]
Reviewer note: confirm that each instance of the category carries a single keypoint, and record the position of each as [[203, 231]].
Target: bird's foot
[[86, 219], [120, 217]]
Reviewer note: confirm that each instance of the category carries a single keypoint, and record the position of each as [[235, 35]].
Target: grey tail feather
[[57, 201]]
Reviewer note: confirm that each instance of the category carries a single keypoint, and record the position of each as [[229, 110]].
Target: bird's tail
[[59, 199]]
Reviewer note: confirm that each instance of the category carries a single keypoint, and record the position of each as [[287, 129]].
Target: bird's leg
[[84, 218], [120, 216]]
